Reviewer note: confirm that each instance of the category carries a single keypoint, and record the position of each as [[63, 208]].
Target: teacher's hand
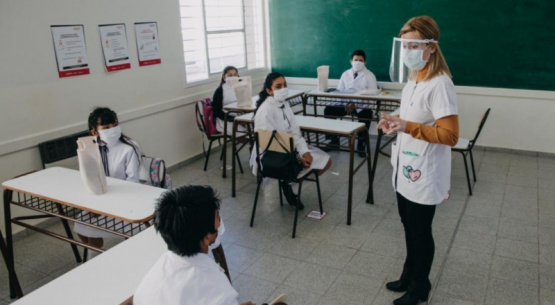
[[391, 123]]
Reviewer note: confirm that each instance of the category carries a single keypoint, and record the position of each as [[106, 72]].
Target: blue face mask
[[413, 60]]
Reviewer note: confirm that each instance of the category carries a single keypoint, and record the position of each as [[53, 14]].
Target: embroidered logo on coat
[[411, 174]]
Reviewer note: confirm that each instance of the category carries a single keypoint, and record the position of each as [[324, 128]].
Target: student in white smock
[[426, 130], [224, 95], [274, 113], [120, 158], [354, 80], [188, 219]]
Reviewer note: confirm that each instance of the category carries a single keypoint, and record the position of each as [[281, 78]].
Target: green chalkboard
[[490, 43]]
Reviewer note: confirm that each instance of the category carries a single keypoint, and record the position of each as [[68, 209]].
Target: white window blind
[[220, 33]]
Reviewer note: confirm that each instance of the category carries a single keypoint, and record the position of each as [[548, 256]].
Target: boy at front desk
[[356, 79]]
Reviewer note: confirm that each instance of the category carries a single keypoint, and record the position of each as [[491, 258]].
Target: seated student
[[188, 219], [224, 95], [353, 80], [121, 158], [274, 113]]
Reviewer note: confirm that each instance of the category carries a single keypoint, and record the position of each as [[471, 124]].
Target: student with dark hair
[[121, 159], [224, 95], [274, 113], [356, 79], [188, 219]]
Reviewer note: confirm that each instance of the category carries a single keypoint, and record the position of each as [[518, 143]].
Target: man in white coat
[[188, 220]]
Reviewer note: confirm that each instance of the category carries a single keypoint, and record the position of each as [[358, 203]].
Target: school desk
[[385, 101], [313, 127], [125, 209], [110, 278], [294, 98]]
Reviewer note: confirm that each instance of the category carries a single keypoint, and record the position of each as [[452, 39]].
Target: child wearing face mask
[[224, 95], [274, 113], [356, 79], [120, 158]]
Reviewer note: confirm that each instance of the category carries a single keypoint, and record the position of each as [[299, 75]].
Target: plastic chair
[[199, 114], [464, 146], [262, 138]]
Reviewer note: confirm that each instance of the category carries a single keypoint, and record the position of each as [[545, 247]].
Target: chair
[[263, 139], [199, 113], [464, 146]]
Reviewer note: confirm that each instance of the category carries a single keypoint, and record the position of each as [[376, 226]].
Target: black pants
[[417, 220], [364, 114]]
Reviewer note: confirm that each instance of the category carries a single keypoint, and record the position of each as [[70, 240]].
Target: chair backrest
[[482, 123], [264, 137], [205, 117], [60, 149]]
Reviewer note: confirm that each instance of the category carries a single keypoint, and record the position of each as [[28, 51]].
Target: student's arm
[[342, 85], [132, 168], [372, 82], [218, 105], [299, 141]]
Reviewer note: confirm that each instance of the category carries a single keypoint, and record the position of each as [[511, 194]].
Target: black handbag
[[279, 165]]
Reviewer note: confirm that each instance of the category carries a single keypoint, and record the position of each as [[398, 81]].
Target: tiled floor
[[495, 247]]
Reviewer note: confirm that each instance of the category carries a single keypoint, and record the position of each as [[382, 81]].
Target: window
[[220, 33]]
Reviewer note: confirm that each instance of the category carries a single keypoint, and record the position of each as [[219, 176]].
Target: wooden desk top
[[124, 200]]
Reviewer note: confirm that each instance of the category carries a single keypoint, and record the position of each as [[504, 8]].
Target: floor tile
[[330, 255], [501, 292], [462, 286], [515, 270], [314, 278], [469, 262], [272, 267]]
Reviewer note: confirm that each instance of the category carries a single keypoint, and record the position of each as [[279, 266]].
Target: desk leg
[[376, 152], [351, 165], [224, 152], [233, 161], [7, 251], [371, 169], [219, 257], [68, 232]]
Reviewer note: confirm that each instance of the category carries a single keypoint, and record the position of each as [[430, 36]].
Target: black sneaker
[[290, 196]]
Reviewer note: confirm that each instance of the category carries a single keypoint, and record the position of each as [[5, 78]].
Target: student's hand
[[350, 108], [306, 159], [391, 123], [248, 303]]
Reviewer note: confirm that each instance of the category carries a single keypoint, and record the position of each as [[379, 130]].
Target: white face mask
[[281, 94], [218, 241], [357, 65], [413, 60], [110, 136], [229, 79]]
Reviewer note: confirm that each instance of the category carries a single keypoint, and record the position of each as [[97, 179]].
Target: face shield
[[407, 55]]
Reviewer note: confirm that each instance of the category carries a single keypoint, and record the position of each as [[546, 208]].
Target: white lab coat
[[349, 84], [273, 115], [124, 164], [177, 280], [422, 170]]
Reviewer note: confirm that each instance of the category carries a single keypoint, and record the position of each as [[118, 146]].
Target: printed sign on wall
[[148, 45], [113, 38], [70, 49]]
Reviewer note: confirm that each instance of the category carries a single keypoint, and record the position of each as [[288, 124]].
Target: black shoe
[[402, 284], [415, 294]]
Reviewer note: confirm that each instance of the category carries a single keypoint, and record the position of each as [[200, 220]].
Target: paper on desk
[[323, 75], [243, 91], [319, 159]]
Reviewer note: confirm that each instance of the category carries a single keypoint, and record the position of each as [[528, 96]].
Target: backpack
[[208, 116], [153, 172]]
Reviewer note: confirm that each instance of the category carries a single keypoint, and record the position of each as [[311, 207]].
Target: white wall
[[152, 102], [519, 119]]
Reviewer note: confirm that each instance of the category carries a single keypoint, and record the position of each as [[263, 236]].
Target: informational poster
[[70, 49], [113, 38], [148, 45]]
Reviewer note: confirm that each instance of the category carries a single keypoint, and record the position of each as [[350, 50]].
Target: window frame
[[242, 71]]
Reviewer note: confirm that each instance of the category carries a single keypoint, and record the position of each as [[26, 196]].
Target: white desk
[[109, 278], [327, 126], [295, 97], [125, 209]]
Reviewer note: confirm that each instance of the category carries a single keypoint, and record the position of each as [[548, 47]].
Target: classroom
[[494, 235]]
